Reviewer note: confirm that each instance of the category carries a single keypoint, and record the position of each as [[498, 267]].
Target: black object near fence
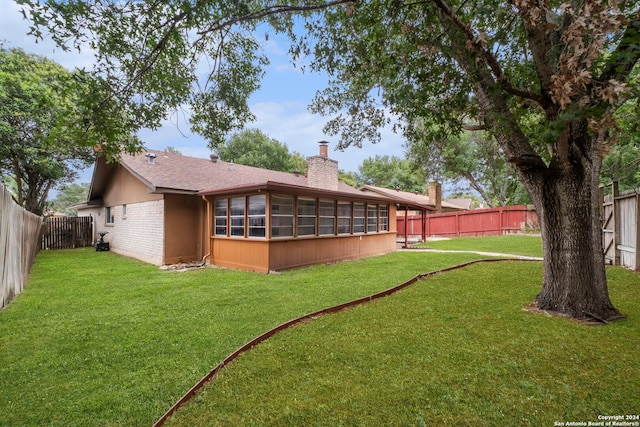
[[67, 232]]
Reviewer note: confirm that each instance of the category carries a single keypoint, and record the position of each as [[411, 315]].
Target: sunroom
[[275, 226]]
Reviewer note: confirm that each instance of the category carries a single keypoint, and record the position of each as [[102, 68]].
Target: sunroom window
[[257, 216], [281, 216], [358, 217], [220, 217], [344, 217], [236, 216], [306, 217], [372, 218], [327, 214], [383, 224]]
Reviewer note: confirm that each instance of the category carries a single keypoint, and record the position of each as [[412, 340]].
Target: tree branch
[[626, 55], [488, 57], [269, 11]]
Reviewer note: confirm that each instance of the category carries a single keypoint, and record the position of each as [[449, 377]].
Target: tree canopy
[[391, 172], [253, 147], [544, 78], [38, 109], [70, 195], [471, 161], [622, 164]]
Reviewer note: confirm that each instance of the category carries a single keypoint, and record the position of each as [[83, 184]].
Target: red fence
[[478, 222]]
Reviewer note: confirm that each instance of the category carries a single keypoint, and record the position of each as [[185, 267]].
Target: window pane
[[220, 217], [257, 205], [237, 216], [281, 216], [306, 217], [384, 218], [109, 216], [372, 218], [327, 210], [307, 207], [257, 215], [344, 217], [358, 217], [237, 206], [282, 205]]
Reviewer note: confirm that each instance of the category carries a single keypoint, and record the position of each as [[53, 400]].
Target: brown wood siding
[[182, 228], [299, 252], [124, 188], [241, 254]]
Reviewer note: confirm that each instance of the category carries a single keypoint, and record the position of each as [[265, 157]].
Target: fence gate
[[620, 230], [609, 231], [67, 232]]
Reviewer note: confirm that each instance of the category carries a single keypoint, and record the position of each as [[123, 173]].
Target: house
[[165, 208]]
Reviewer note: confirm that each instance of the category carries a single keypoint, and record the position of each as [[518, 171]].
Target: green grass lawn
[[529, 245], [454, 349], [97, 339], [101, 340]]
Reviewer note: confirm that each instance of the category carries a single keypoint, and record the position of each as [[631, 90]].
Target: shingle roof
[[175, 172], [411, 199]]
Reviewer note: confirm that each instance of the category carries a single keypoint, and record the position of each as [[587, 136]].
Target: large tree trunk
[[567, 200]]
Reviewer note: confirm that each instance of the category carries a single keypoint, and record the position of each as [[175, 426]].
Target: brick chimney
[[434, 192], [322, 171]]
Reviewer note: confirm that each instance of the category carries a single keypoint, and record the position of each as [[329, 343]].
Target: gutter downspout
[[207, 228]]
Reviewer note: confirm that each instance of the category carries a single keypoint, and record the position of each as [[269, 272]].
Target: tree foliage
[[253, 147], [69, 195], [471, 161], [37, 110], [622, 164], [391, 172]]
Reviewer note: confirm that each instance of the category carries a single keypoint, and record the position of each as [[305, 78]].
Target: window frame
[[109, 215]]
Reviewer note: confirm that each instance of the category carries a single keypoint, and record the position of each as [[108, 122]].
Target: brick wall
[[139, 233], [322, 173]]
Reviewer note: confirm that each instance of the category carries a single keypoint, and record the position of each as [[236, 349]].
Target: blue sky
[[280, 105]]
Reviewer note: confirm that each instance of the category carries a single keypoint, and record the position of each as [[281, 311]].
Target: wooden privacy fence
[[620, 231], [67, 232], [19, 243], [478, 222]]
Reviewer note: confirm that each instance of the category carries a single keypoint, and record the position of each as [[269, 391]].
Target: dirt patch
[[183, 266]]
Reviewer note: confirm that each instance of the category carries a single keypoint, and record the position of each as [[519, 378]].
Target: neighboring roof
[[175, 173], [462, 203], [409, 200]]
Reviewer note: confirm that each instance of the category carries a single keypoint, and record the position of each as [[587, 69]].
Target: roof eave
[[291, 189]]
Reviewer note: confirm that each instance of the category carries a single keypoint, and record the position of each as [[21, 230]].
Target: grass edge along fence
[[19, 244]]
